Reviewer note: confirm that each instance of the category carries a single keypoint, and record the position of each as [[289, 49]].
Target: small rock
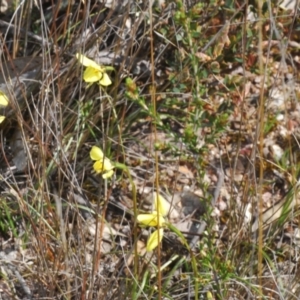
[[192, 203]]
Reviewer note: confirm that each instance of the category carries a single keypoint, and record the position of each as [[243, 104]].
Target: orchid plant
[[156, 219], [94, 72], [102, 164], [3, 102]]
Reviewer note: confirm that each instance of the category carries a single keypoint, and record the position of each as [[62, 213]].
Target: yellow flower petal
[[96, 153], [3, 99], [107, 174], [88, 62], [105, 81], [98, 166], [106, 169], [107, 164], [161, 204], [155, 239], [151, 219], [2, 118], [92, 75], [103, 165]]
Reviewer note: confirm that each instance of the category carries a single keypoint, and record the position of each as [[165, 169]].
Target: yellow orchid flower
[[155, 239], [155, 219], [161, 204], [3, 99], [93, 72], [102, 164], [152, 219], [3, 102]]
